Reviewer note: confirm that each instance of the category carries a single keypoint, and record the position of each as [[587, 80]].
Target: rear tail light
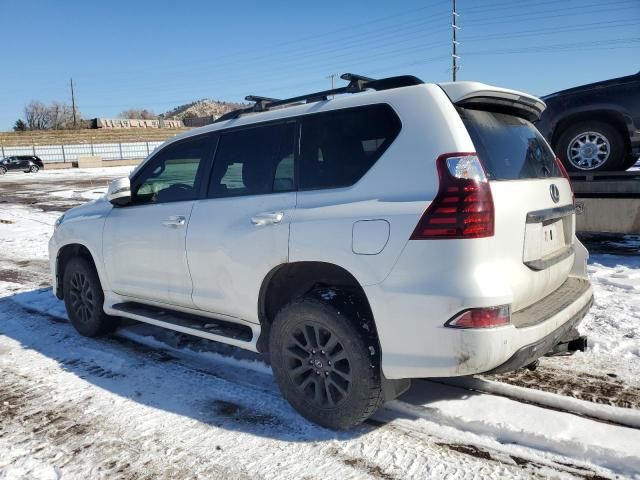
[[565, 174], [563, 170], [463, 207], [481, 318]]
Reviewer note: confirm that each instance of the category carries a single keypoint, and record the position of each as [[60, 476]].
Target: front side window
[[254, 161], [339, 147], [173, 174]]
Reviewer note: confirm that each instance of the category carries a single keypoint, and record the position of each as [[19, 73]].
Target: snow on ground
[[147, 403]]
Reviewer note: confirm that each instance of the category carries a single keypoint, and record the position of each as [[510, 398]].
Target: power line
[[597, 7], [623, 43]]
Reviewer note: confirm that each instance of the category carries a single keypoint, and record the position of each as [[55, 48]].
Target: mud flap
[[392, 389]]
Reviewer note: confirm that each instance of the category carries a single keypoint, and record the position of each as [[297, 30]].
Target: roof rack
[[357, 83], [260, 102]]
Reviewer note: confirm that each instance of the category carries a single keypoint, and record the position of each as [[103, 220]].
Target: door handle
[[267, 218], [175, 221]]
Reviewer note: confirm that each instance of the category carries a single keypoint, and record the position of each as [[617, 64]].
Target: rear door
[[534, 215], [240, 232]]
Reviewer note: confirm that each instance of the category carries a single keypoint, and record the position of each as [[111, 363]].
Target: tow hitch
[[569, 348]]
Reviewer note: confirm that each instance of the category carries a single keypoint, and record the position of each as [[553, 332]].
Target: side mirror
[[119, 192]]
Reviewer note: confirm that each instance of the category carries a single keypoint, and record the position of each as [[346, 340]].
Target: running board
[[205, 327]]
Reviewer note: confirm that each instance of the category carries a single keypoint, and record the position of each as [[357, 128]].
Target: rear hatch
[[534, 214]]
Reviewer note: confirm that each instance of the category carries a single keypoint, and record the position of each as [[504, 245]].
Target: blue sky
[[159, 54]]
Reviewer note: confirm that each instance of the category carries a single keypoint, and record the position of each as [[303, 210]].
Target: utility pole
[[454, 53], [73, 104], [333, 82]]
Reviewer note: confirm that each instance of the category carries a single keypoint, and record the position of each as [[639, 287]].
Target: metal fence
[[70, 153]]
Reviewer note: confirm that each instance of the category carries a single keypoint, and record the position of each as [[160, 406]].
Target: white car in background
[[398, 231]]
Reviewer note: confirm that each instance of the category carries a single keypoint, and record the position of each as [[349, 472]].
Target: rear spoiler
[[486, 97]]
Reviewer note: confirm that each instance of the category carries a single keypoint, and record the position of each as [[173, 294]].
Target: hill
[[202, 108]]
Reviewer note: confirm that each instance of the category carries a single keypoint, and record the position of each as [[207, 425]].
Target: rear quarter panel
[[397, 189]]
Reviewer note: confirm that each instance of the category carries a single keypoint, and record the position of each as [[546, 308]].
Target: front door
[[240, 232], [144, 242]]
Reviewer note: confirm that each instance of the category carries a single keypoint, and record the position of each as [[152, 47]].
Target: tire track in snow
[[136, 425]]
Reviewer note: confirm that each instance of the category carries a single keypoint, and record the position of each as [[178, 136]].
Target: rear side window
[[509, 147], [254, 161], [337, 148]]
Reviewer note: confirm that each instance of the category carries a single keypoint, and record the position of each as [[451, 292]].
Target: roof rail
[[357, 83]]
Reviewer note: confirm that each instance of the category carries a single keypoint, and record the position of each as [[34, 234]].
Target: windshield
[[509, 147]]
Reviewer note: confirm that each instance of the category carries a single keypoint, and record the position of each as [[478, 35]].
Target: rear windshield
[[509, 147]]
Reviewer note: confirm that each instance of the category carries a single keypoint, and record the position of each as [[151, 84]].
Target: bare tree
[[36, 115], [138, 114], [61, 115], [57, 116]]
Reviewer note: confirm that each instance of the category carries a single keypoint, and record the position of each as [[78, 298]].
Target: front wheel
[[34, 169], [591, 146], [324, 366], [83, 299]]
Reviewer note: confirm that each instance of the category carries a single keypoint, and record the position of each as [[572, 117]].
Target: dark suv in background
[[595, 127], [25, 163]]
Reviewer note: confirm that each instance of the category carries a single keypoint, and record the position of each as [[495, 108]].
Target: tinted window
[[172, 175], [339, 147], [509, 147], [254, 161]]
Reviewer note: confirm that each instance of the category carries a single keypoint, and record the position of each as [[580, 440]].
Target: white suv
[[395, 231]]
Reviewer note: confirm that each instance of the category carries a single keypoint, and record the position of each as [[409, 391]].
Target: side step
[[199, 326]]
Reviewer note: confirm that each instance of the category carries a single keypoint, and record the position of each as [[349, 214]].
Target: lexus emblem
[[555, 193]]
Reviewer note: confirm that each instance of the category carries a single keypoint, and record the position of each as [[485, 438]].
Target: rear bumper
[[530, 353], [410, 312], [421, 348]]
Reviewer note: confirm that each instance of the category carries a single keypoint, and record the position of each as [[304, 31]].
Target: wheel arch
[[616, 118], [66, 253], [289, 281]]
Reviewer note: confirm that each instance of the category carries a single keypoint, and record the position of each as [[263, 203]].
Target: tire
[[83, 298], [604, 150], [34, 169], [348, 389], [3, 170]]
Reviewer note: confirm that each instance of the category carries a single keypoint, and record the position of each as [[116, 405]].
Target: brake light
[[563, 170], [565, 174], [481, 318], [463, 207]]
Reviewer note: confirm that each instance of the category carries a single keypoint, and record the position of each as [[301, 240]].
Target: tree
[[138, 114], [20, 126], [36, 115], [57, 116], [60, 116]]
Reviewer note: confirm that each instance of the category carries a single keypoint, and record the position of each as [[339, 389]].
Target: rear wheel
[[83, 298], [3, 170], [324, 366], [591, 146], [34, 169]]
